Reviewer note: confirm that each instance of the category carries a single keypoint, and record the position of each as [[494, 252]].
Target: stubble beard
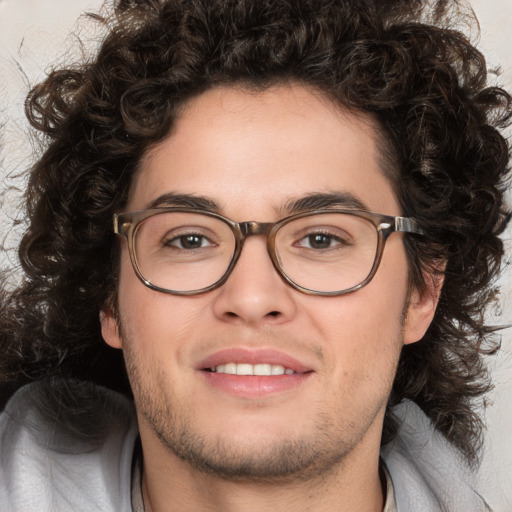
[[275, 462], [278, 461]]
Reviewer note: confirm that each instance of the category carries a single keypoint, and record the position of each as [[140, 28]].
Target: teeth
[[230, 368], [250, 369]]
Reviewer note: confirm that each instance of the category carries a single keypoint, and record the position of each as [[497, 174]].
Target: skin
[[312, 446]]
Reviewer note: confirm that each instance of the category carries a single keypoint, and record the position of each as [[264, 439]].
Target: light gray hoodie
[[46, 467]]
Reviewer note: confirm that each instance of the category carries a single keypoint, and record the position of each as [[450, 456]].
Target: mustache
[[267, 337]]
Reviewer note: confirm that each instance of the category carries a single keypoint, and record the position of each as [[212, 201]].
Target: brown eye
[[190, 242], [319, 241]]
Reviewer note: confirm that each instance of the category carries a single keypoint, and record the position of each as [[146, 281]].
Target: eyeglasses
[[185, 251]]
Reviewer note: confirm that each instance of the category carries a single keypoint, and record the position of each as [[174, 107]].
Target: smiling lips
[[253, 374]]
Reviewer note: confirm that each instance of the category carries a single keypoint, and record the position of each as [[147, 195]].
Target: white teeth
[[262, 369], [244, 369], [230, 368], [278, 370], [249, 369]]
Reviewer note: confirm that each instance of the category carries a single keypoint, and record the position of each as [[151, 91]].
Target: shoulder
[[428, 473], [70, 453]]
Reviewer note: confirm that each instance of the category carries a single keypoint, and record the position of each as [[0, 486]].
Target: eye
[[189, 242], [320, 241]]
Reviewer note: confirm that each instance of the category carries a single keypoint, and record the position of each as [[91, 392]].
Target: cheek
[[361, 320], [365, 329], [156, 325], [364, 358]]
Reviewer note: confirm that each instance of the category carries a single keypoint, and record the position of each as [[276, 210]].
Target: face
[[250, 155]]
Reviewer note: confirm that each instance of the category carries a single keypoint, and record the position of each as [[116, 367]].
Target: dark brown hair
[[425, 84]]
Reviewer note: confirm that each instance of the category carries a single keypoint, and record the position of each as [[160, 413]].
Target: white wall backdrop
[[35, 34]]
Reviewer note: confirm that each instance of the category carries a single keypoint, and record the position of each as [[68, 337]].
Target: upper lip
[[253, 356]]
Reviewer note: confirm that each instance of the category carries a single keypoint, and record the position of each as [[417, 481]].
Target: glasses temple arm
[[407, 225]]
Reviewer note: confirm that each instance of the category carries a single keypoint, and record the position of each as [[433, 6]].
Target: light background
[[36, 33]]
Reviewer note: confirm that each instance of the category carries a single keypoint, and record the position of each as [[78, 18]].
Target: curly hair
[[424, 83]]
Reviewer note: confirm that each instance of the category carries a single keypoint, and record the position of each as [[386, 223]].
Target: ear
[[422, 306], [110, 327]]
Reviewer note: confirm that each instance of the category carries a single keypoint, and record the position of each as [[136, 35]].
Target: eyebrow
[[309, 202], [186, 201], [320, 201]]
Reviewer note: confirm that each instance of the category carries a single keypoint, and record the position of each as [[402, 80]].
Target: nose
[[255, 293]]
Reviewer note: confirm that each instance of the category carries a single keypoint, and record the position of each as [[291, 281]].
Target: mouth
[[254, 373], [261, 369]]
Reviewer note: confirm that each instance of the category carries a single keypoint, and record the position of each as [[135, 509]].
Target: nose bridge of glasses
[[247, 229], [252, 228]]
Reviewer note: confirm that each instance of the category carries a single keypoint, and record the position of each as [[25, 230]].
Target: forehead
[[264, 149]]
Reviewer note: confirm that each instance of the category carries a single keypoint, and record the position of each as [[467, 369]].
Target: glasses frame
[[126, 225]]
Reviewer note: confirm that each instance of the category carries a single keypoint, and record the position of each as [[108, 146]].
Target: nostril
[[273, 313]]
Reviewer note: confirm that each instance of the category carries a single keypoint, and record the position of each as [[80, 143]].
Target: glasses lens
[[327, 252], [183, 251]]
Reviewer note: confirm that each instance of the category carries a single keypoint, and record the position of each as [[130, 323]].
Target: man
[[275, 227]]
